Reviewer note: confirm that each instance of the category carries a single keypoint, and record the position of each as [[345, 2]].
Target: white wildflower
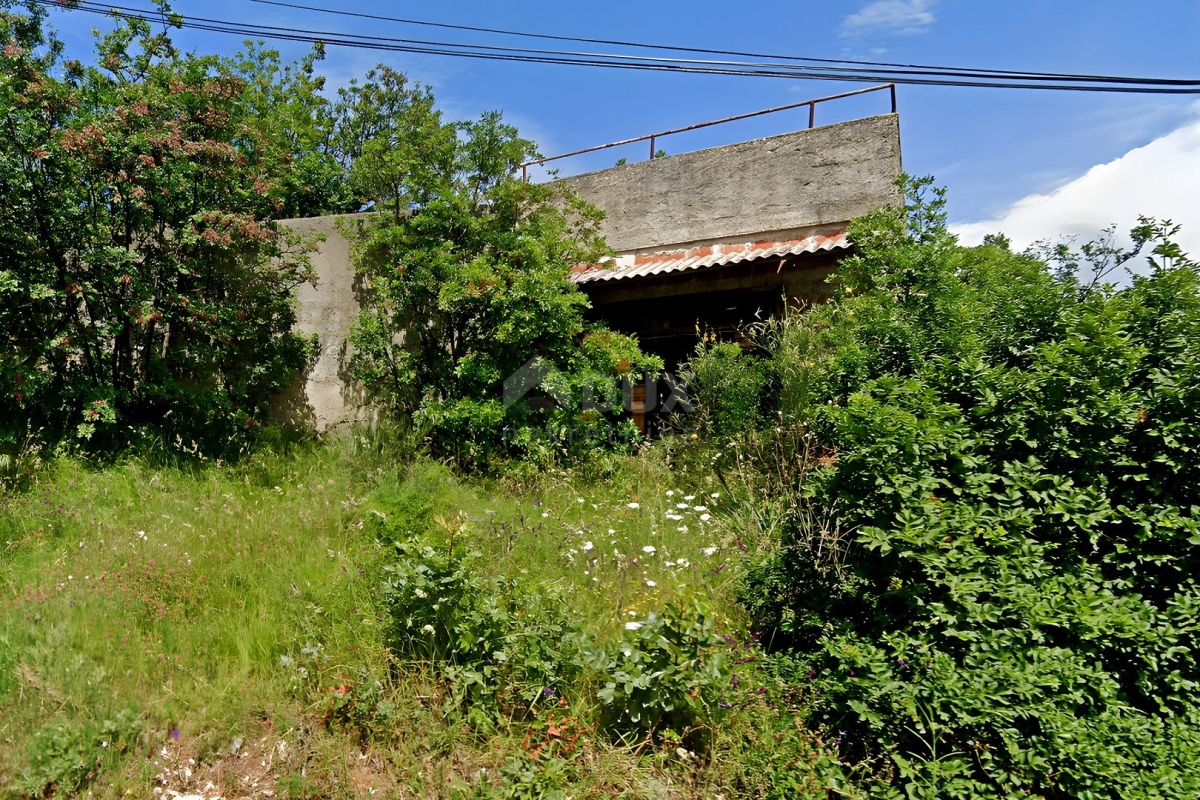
[[634, 505], [689, 497], [699, 508], [682, 529], [705, 517], [651, 584], [632, 626], [715, 495], [427, 629], [651, 549], [681, 505], [708, 551], [670, 492], [683, 562], [588, 547]]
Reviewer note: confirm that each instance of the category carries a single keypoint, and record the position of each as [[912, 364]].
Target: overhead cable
[[922, 68], [655, 64]]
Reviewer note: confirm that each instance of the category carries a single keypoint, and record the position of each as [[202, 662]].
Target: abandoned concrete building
[[706, 240]]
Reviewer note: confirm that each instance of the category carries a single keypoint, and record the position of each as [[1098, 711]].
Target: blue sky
[[1000, 152]]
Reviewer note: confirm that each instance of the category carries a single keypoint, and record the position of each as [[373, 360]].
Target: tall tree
[[468, 267], [143, 281]]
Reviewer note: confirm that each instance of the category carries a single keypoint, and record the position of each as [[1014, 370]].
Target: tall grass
[[172, 626], [170, 594]]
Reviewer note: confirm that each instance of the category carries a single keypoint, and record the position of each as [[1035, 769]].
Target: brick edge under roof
[[704, 257]]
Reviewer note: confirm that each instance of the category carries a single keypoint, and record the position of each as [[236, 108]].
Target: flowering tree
[[142, 280]]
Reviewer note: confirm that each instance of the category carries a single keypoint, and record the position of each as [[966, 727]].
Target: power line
[[624, 61], [921, 68]]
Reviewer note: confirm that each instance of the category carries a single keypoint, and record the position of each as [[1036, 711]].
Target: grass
[[218, 630]]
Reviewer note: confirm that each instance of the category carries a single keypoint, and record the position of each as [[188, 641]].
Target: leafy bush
[[724, 387], [66, 757], [1014, 450], [499, 645], [666, 674], [767, 744], [143, 282], [467, 269], [532, 778]]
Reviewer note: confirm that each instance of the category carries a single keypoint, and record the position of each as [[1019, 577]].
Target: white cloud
[[890, 17], [1160, 179]]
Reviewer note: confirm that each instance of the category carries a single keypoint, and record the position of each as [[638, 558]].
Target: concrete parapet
[[815, 177]]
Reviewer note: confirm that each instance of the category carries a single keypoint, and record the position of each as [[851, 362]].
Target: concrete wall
[[799, 180], [326, 398]]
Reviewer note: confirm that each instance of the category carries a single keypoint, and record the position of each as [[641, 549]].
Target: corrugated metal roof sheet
[[717, 255]]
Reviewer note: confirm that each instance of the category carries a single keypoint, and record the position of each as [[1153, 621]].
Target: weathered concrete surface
[[814, 177], [326, 398]]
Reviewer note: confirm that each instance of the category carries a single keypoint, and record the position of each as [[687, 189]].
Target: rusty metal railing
[[654, 137]]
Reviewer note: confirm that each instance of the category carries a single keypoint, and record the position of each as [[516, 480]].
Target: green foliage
[[64, 757], [667, 674], [724, 387], [467, 272], [1014, 450], [288, 107], [141, 272], [769, 744], [498, 645], [531, 778]]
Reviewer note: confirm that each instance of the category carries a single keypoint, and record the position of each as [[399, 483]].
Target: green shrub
[[145, 289], [468, 268], [531, 778], [767, 744], [1016, 613], [500, 646], [666, 674], [64, 758], [724, 387]]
